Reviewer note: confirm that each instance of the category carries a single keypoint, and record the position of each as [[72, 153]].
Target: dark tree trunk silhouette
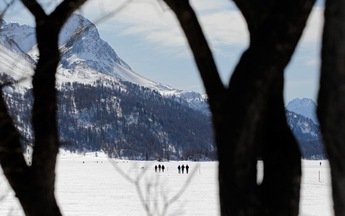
[[35, 185], [249, 116], [331, 101]]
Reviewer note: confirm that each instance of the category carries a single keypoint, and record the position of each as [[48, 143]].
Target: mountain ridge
[[104, 104], [82, 48], [305, 107]]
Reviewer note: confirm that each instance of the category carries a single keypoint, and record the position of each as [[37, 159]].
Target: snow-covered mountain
[[86, 58], [23, 35], [104, 104], [302, 119], [307, 134], [305, 107]]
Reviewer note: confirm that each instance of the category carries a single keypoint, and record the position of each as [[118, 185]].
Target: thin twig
[[155, 206], [102, 19], [8, 5]]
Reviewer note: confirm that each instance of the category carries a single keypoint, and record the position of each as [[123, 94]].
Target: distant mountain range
[[301, 115], [305, 107], [105, 105]]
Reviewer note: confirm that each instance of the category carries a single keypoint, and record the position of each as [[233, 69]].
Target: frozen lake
[[96, 186]]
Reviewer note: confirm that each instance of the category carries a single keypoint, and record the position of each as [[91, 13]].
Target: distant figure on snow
[[163, 168], [182, 167], [187, 168], [156, 168], [320, 163], [159, 167], [179, 169]]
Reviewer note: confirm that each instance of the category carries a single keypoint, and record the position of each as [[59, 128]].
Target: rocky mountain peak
[[305, 107]]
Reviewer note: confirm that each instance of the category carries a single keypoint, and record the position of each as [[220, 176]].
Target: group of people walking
[[181, 168], [159, 168]]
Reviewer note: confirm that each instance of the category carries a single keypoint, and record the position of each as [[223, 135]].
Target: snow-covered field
[[97, 186]]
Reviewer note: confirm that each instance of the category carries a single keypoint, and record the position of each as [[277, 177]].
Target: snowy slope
[[103, 103], [87, 58], [14, 64], [85, 47], [23, 35]]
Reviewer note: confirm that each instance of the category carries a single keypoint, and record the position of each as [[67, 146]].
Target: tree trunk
[[44, 118], [331, 101], [282, 160], [35, 185], [249, 117]]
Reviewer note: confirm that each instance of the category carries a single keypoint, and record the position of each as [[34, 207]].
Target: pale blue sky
[[147, 36]]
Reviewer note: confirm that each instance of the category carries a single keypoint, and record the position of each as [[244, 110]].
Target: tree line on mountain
[[137, 123], [255, 127], [308, 136], [122, 119], [100, 116]]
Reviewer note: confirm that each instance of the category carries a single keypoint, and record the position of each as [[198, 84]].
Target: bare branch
[[11, 153], [127, 177], [200, 48], [35, 8], [59, 15], [184, 187], [8, 5], [65, 10], [100, 20], [154, 207], [113, 12]]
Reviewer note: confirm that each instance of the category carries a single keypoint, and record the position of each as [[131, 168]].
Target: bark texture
[[35, 185], [331, 101], [249, 116]]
